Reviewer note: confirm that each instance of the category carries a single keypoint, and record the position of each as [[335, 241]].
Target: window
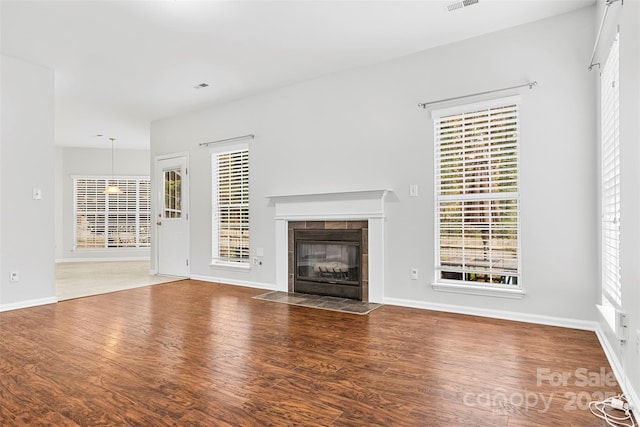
[[477, 199], [172, 193], [230, 214], [610, 179], [112, 220]]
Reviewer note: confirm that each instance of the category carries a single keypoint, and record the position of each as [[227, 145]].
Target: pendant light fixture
[[112, 188]]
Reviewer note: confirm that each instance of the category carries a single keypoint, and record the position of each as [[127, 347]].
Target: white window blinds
[[610, 184], [231, 206], [112, 220], [477, 199]]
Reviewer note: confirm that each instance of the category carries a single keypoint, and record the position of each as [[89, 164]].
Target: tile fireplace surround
[[358, 205], [331, 225]]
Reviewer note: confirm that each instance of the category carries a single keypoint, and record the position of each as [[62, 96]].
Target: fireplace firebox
[[328, 262]]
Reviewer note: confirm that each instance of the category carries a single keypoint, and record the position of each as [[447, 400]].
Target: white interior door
[[172, 217]]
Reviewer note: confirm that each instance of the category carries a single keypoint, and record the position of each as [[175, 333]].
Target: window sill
[[119, 249], [231, 265], [479, 290]]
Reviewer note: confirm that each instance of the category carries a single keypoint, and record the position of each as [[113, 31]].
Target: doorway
[[172, 216]]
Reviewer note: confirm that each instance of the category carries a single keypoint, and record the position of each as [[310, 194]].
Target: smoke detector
[[450, 7]]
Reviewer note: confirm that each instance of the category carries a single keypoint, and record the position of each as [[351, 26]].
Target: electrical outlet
[[255, 260], [14, 276], [414, 274], [622, 326]]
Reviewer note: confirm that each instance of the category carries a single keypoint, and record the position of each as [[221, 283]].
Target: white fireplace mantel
[[333, 206], [339, 205]]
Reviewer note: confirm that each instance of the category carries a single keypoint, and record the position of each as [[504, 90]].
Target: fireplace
[[356, 209], [328, 262], [329, 258]]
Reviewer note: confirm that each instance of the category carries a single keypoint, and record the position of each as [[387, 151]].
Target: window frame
[[139, 212], [216, 259], [610, 182], [460, 285]]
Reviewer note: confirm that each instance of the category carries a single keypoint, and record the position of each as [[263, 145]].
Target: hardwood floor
[[192, 353]]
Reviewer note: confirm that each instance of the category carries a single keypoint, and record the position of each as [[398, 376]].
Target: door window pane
[[172, 193]]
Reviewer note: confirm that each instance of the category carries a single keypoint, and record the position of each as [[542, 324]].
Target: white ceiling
[[121, 64]]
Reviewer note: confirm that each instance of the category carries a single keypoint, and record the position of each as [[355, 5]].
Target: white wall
[[59, 204], [27, 160], [93, 162], [627, 17], [362, 129]]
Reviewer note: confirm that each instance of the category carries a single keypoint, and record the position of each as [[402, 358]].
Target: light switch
[[413, 190]]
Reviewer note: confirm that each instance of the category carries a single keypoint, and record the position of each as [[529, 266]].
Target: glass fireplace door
[[329, 262]]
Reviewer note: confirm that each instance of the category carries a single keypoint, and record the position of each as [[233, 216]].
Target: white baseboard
[[618, 371], [227, 281], [497, 314], [119, 259], [29, 303]]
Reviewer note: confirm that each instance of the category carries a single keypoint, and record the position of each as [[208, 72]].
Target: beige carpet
[[81, 279]]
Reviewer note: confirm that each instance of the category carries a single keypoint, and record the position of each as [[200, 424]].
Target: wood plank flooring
[[191, 353]]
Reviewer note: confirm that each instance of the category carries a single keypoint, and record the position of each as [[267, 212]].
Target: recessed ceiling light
[[201, 85], [99, 134]]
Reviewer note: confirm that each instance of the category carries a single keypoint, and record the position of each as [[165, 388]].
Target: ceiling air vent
[[450, 7]]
